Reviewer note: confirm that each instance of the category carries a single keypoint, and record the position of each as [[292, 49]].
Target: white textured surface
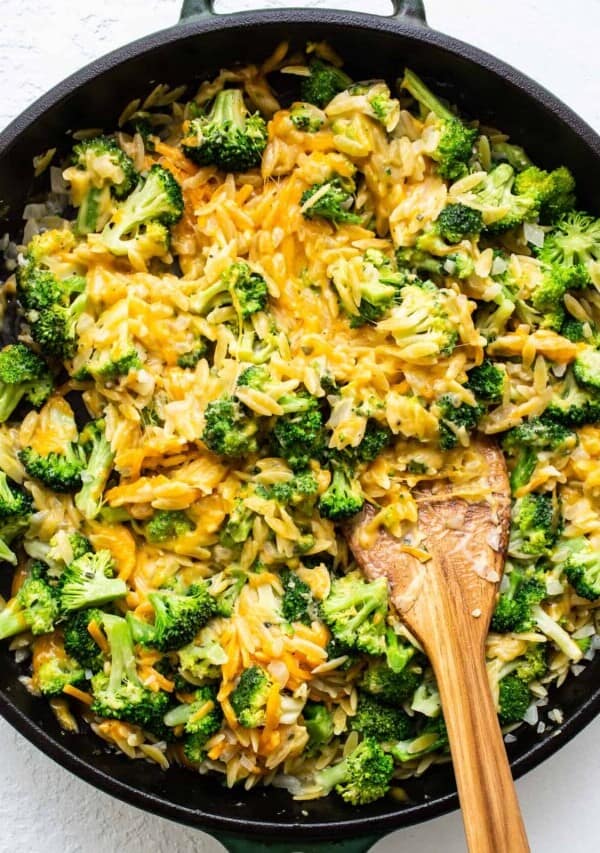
[[44, 808]]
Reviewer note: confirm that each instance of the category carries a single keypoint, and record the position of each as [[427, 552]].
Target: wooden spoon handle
[[491, 813]]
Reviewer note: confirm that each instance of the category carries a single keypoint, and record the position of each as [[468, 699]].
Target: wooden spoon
[[447, 603]]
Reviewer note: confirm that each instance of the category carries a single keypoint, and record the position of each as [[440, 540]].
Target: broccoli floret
[[60, 472], [575, 239], [534, 664], [38, 288], [456, 141], [457, 222], [55, 328], [548, 297], [297, 604], [366, 295], [15, 502], [331, 200], [486, 381], [336, 650], [259, 378], [355, 610], [362, 777], [319, 725], [573, 330], [553, 193], [586, 368], [343, 497], [228, 137], [226, 600], [513, 700], [374, 98], [238, 286], [525, 443], [536, 524], [15, 514], [375, 440], [433, 736], [571, 405], [23, 373], [380, 722], [167, 524], [420, 261], [295, 492], [306, 117], [54, 673], [90, 581], [108, 369], [177, 617], [397, 653], [120, 694], [97, 470], [514, 155], [300, 436], [389, 686], [254, 347], [79, 643], [423, 319], [53, 307], [457, 420], [433, 255], [34, 608], [144, 216], [100, 170], [80, 545], [323, 83], [582, 569], [249, 698], [142, 125], [493, 196], [194, 744], [202, 659], [230, 429], [189, 360], [515, 607], [45, 250], [201, 719], [238, 526]]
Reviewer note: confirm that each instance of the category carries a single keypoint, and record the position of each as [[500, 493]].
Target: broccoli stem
[[229, 107], [10, 397], [333, 775], [121, 649], [6, 555], [425, 96], [88, 500], [12, 620], [178, 716]]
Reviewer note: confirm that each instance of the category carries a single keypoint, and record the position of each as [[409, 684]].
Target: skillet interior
[[374, 47]]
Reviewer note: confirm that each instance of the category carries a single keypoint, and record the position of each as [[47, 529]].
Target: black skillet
[[198, 46]]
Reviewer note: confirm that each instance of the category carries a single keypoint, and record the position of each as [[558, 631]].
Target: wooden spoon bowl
[[447, 602]]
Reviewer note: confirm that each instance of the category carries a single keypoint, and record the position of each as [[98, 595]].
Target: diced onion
[[534, 234], [499, 266], [35, 211], [57, 182], [531, 715]]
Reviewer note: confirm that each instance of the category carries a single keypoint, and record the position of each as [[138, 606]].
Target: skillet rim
[[49, 745]]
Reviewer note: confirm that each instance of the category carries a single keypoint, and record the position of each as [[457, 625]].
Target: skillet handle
[[238, 844], [400, 9]]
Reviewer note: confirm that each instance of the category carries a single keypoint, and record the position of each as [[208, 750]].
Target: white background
[[43, 809]]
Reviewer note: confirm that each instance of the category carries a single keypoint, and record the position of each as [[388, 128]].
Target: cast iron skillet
[[374, 47]]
